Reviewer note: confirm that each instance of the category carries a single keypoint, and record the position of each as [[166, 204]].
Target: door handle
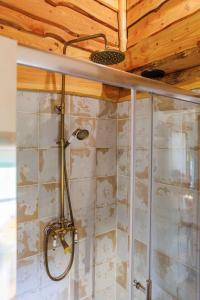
[[139, 286]]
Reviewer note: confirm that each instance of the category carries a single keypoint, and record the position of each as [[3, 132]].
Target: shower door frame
[[91, 71]]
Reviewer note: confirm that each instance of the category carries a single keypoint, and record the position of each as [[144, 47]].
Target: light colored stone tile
[[106, 162], [143, 132], [84, 123], [83, 163], [104, 275], [122, 274], [124, 137], [141, 225], [123, 110], [143, 106], [27, 130], [105, 247], [140, 261], [48, 165], [107, 109], [27, 102], [30, 295], [106, 191], [48, 103], [106, 133], [105, 219], [49, 200], [122, 245], [123, 214], [27, 239], [84, 107], [56, 291], [106, 294], [123, 162], [142, 164], [121, 293], [27, 203], [142, 194], [27, 280], [48, 130], [123, 183], [27, 169]]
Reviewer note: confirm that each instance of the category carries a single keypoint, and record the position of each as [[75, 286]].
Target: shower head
[[107, 56], [79, 134]]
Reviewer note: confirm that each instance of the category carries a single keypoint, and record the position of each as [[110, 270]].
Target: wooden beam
[[159, 19], [47, 44], [91, 9], [113, 4], [131, 3], [39, 80], [122, 26], [141, 9], [184, 60], [64, 18], [176, 38], [187, 79]]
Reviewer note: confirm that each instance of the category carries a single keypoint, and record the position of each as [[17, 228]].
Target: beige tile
[[27, 169], [104, 275], [29, 295], [105, 219], [48, 103], [142, 196], [27, 203], [123, 183], [105, 247], [48, 130], [83, 194], [81, 286], [142, 164], [124, 136], [84, 107], [27, 102], [122, 245], [27, 239], [123, 110], [27, 130], [106, 294], [49, 200], [121, 293], [106, 191], [83, 163], [27, 280], [143, 106], [48, 165], [106, 133], [55, 291], [140, 260], [84, 123], [122, 274], [143, 132], [123, 212], [106, 162], [123, 162], [107, 110], [141, 225]]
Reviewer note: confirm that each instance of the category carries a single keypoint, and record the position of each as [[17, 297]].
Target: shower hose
[[58, 223]]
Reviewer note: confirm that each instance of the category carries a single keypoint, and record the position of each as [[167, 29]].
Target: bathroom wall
[[92, 167]]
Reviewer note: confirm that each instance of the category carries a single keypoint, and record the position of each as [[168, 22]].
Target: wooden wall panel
[[165, 16], [176, 38]]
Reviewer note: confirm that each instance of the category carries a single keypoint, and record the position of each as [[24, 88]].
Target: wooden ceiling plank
[[39, 80], [24, 23], [113, 4], [47, 44], [91, 9], [63, 17], [176, 38], [186, 59], [164, 16], [131, 3]]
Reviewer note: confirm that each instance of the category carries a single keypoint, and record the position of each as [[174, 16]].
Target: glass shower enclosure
[[166, 203]]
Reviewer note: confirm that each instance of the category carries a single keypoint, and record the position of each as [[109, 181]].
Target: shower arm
[[85, 38]]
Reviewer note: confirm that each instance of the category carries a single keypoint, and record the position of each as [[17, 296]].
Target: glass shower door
[[175, 202]]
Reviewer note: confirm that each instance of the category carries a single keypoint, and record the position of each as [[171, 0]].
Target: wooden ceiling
[[161, 34]]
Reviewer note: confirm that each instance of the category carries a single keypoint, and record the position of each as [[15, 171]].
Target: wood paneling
[[59, 20], [141, 9], [39, 80], [131, 3], [109, 3], [184, 60], [176, 38], [122, 26], [155, 22]]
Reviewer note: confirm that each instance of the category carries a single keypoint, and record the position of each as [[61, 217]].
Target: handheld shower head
[[80, 134]]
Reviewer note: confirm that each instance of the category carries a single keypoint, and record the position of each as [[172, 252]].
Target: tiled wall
[[92, 167]]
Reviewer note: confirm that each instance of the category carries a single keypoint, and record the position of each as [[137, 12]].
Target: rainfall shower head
[[80, 134], [107, 56]]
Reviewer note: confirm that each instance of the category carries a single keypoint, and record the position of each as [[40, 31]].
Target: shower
[[63, 229]]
